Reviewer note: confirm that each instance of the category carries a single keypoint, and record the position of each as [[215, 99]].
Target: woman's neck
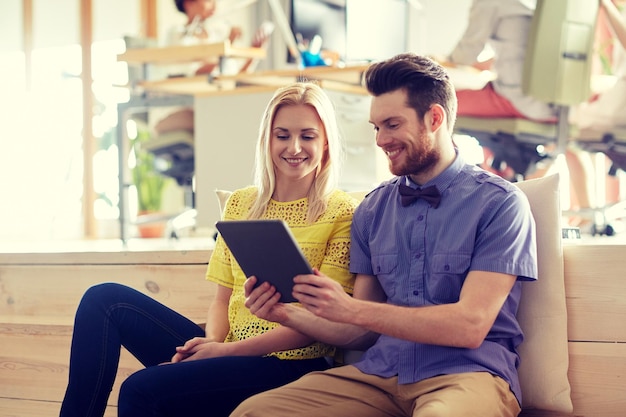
[[292, 190]]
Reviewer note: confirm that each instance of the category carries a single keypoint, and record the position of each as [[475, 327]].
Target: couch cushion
[[542, 311], [222, 198]]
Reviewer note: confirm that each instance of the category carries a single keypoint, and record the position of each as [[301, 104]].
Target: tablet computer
[[267, 250]]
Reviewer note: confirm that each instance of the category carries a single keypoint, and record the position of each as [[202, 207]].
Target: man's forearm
[[336, 334]]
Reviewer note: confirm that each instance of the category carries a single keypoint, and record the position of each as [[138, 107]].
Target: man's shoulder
[[381, 191], [478, 176], [383, 188], [483, 189]]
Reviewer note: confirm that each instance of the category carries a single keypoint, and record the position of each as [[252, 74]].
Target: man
[[438, 277], [504, 26]]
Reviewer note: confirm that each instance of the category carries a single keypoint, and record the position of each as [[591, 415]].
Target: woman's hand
[[262, 301], [235, 33], [199, 348]]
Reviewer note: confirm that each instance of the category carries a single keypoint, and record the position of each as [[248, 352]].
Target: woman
[[202, 26], [238, 355]]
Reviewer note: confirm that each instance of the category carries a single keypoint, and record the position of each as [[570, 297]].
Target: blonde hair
[[327, 175]]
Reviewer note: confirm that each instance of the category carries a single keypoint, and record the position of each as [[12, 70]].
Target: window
[[41, 158]]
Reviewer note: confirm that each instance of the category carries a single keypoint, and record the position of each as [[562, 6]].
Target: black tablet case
[[267, 250]]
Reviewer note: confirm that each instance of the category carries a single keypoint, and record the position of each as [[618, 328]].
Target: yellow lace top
[[325, 243]]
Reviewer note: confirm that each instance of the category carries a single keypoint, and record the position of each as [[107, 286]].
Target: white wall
[[11, 19], [433, 28], [376, 29]]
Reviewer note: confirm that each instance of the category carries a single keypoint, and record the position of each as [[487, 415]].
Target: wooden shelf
[[349, 74], [189, 53], [347, 79]]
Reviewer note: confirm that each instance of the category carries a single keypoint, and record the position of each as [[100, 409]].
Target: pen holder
[[312, 60]]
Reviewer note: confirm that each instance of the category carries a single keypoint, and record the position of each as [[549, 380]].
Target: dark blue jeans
[[111, 315]]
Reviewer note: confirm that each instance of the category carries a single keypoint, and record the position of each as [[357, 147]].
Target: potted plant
[[149, 183]]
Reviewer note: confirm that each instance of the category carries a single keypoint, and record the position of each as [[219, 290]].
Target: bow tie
[[410, 195]]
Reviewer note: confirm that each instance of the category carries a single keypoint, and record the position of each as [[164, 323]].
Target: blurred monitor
[[357, 30], [326, 18]]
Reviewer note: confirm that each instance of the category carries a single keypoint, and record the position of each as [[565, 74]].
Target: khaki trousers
[[347, 392]]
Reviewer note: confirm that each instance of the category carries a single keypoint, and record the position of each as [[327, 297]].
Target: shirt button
[[416, 292], [420, 217], [447, 267], [418, 255]]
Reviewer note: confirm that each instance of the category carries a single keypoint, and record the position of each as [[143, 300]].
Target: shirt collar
[[443, 180]]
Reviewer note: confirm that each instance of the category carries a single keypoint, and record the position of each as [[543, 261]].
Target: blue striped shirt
[[421, 256]]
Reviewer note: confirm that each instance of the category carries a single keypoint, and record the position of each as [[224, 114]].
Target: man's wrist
[[293, 311]]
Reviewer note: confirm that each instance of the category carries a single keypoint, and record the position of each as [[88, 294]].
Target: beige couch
[[39, 294]]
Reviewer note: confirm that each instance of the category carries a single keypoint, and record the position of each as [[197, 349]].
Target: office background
[[58, 167]]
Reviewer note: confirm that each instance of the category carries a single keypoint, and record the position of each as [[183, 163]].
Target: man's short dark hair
[[424, 80]]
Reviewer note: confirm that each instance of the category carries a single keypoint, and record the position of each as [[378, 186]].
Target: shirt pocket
[[384, 267], [448, 272]]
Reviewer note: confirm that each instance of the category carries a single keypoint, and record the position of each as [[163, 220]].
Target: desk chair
[[611, 143], [557, 70]]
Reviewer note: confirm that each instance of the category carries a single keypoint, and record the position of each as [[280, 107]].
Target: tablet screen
[[267, 250]]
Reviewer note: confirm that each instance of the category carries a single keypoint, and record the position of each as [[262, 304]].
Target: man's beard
[[417, 160]]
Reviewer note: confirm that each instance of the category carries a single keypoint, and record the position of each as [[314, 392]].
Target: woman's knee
[[105, 294], [102, 291], [99, 299], [135, 394]]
